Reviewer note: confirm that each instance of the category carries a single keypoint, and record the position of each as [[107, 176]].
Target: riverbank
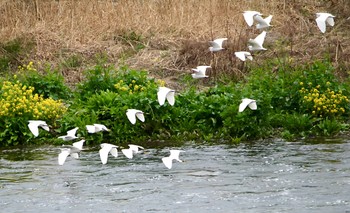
[[88, 71]]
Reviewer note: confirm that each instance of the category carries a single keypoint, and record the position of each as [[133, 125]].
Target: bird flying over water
[[70, 135], [174, 155], [72, 150], [35, 124], [133, 149], [105, 149]]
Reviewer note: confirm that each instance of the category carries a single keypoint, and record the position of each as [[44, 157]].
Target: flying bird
[[72, 150], [247, 102], [133, 149], [96, 128], [35, 124], [105, 149], [251, 16], [70, 135], [166, 93], [323, 19], [199, 72], [257, 43], [263, 22], [174, 155], [216, 45], [243, 55], [132, 114]]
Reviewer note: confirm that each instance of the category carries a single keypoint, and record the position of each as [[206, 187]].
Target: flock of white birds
[[168, 94]]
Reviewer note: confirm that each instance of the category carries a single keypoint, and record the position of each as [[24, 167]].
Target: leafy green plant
[[49, 83]]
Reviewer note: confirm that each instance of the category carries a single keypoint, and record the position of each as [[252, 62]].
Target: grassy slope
[[170, 37]]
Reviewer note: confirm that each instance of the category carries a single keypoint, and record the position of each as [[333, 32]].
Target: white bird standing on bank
[[166, 93], [243, 55], [323, 19], [216, 45], [96, 128], [251, 16], [174, 155], [132, 114], [35, 124], [133, 149], [247, 102], [70, 135], [257, 43], [105, 149], [199, 72], [72, 150]]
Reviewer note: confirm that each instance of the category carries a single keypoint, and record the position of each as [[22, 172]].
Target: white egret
[[166, 93], [96, 128], [257, 43], [263, 22], [133, 113], [216, 45], [70, 135], [72, 150], [323, 19], [35, 124], [243, 55], [247, 102], [249, 17], [199, 72], [133, 149], [105, 149], [174, 155]]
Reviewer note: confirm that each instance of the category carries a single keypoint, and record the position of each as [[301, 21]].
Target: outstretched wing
[[131, 116], [104, 154], [240, 55], [140, 116], [63, 156], [321, 23], [168, 162], [244, 104], [79, 144], [249, 17], [33, 127], [171, 97], [260, 38], [127, 153], [91, 128], [162, 93], [72, 132]]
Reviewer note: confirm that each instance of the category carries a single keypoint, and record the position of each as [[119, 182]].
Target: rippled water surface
[[258, 177]]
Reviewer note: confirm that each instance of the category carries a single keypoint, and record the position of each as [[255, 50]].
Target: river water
[[275, 176]]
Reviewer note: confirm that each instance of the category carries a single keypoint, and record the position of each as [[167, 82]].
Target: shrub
[[18, 104], [50, 83]]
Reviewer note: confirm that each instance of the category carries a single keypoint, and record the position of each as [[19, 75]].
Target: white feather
[[34, 126], [323, 19], [105, 149], [216, 45], [257, 43], [166, 93]]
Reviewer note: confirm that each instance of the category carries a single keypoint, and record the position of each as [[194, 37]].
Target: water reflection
[[275, 176]]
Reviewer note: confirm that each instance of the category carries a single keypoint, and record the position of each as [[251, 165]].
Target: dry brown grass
[[175, 33]]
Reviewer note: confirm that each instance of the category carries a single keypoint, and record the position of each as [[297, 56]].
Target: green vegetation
[[308, 100]]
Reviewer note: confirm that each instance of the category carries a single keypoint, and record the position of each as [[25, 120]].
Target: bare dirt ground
[[168, 38]]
